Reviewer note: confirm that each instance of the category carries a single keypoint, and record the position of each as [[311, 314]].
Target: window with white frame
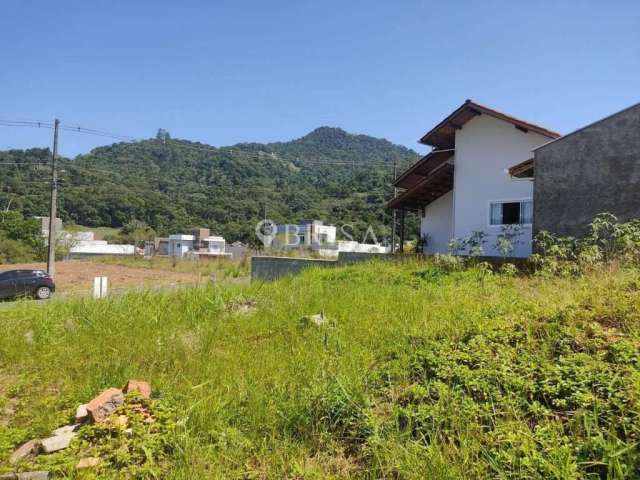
[[511, 213]]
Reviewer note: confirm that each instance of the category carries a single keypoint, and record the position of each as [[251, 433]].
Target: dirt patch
[[76, 276]]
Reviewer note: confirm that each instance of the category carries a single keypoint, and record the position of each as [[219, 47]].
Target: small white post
[[99, 287]]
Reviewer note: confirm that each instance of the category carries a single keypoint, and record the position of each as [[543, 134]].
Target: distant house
[[592, 170], [180, 245], [83, 245], [314, 235], [200, 244], [463, 186], [310, 234], [237, 249], [356, 247], [160, 247], [215, 245]]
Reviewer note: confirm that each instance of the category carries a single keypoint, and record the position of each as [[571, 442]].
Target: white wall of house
[[99, 247], [317, 233], [308, 234], [180, 245], [485, 148], [215, 244], [353, 246], [437, 224]]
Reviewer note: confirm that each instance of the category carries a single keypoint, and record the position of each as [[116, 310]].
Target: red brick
[[30, 448], [105, 404], [138, 386]]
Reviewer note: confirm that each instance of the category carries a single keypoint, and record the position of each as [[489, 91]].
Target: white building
[[356, 247], [82, 244], [180, 245], [308, 233], [201, 244], [463, 186], [214, 246]]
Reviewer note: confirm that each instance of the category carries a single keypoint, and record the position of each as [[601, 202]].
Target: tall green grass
[[225, 267], [260, 395]]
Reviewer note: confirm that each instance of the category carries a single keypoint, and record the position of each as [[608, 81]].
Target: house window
[[511, 213]]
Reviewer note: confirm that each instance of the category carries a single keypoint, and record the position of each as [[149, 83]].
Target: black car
[[20, 283]]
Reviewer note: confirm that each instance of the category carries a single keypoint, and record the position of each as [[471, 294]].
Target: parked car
[[30, 283]]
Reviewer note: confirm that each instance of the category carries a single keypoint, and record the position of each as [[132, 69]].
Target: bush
[[607, 240], [13, 251], [20, 238]]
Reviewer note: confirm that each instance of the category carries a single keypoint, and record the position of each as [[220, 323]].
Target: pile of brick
[[97, 410]]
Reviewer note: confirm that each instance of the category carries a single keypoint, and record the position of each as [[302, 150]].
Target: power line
[[99, 133], [35, 123]]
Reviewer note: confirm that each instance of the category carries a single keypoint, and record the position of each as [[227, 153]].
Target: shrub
[[14, 251], [508, 240], [605, 241], [448, 263]]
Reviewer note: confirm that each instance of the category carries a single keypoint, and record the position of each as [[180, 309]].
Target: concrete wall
[[236, 252], [437, 224], [592, 170], [272, 268], [485, 148]]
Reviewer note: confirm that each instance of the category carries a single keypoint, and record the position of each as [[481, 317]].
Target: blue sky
[[223, 72]]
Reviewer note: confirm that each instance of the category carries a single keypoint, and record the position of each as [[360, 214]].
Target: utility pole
[[393, 213], [401, 246], [51, 252]]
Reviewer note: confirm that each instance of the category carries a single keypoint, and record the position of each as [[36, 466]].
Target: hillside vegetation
[[171, 185], [424, 370]]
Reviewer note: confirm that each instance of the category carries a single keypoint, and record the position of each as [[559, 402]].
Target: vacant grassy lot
[[420, 373]]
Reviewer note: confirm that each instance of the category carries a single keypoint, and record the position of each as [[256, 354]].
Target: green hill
[[172, 184]]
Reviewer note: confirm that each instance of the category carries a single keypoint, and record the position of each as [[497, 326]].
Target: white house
[[83, 244], [214, 246], [308, 233], [200, 244], [463, 185], [180, 245]]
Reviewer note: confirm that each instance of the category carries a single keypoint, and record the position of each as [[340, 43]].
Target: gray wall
[[595, 169], [272, 268]]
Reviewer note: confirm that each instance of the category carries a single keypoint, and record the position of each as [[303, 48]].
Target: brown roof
[[442, 136], [422, 167], [523, 169], [438, 182]]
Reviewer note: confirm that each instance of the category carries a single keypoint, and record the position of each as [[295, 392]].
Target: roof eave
[[478, 109]]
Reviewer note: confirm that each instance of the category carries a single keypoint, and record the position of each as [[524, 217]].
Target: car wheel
[[43, 293]]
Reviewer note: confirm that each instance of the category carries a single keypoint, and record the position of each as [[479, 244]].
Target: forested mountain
[[171, 185]]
